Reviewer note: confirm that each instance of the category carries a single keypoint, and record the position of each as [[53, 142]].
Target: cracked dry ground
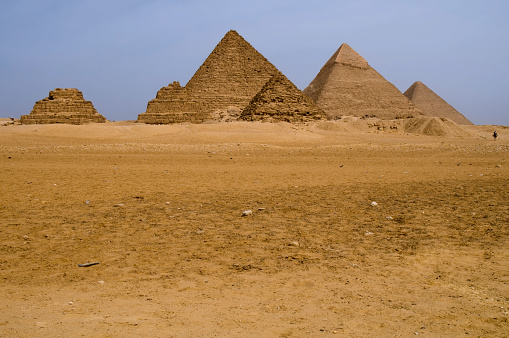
[[314, 258]]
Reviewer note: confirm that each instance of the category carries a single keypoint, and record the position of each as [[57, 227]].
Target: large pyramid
[[63, 105], [348, 85], [433, 105], [231, 75], [280, 100]]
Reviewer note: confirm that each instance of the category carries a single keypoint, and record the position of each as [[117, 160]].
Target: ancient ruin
[[280, 100], [348, 85], [433, 105], [228, 79], [173, 104], [63, 105]]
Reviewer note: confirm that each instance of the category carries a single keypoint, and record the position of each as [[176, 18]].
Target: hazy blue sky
[[119, 53]]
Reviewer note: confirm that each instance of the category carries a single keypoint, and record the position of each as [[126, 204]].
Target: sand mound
[[434, 126], [335, 126]]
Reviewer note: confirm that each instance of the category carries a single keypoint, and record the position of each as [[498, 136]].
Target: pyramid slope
[[280, 100], [347, 85], [433, 105], [232, 74], [63, 105]]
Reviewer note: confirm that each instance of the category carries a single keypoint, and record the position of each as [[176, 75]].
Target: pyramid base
[[74, 118], [170, 118]]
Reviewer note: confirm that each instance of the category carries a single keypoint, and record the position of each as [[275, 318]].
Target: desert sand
[[357, 228]]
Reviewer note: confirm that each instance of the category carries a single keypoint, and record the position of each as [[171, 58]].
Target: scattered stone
[[41, 325], [247, 213]]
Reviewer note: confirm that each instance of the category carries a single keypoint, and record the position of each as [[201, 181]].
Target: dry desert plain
[[160, 208]]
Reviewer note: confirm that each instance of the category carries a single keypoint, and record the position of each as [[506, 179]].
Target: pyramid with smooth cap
[[348, 85], [280, 100], [228, 79], [433, 105], [63, 105]]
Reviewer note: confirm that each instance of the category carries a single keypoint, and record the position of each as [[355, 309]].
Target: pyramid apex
[[348, 56], [232, 31]]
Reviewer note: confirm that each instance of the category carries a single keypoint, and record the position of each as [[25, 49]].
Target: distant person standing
[[495, 135]]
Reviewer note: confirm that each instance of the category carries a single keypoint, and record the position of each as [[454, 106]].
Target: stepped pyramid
[[348, 85], [280, 100], [433, 105], [228, 79], [65, 105]]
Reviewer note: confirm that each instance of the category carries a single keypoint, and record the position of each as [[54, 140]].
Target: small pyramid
[[63, 105], [433, 105], [228, 79], [348, 85], [173, 104], [280, 100]]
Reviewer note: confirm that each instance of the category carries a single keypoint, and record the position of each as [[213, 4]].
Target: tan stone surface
[[347, 85], [173, 104], [227, 80], [280, 100], [160, 208], [63, 105], [433, 105]]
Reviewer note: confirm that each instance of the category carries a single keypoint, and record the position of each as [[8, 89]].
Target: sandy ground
[[160, 208]]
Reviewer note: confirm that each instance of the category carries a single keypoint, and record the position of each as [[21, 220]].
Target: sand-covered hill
[[335, 131]]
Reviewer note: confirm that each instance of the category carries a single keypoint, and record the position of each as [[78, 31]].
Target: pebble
[[374, 204], [246, 213]]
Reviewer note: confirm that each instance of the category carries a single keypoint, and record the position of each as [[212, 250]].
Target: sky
[[119, 53]]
